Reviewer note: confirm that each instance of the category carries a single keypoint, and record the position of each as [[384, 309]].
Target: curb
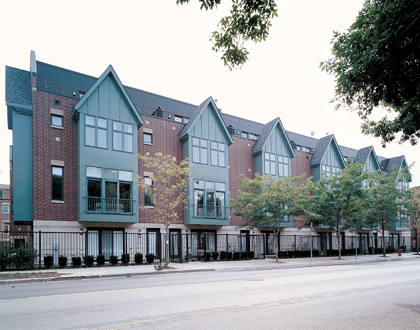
[[238, 269]]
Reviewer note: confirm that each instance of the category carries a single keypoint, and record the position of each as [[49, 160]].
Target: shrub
[[251, 254], [76, 261], [125, 258], [236, 255], [23, 258], [244, 255], [100, 259], [48, 261], [113, 260], [62, 261], [215, 255], [150, 257], [223, 255], [229, 256], [207, 256], [89, 260], [138, 258]]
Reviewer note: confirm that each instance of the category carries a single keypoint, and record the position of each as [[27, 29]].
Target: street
[[364, 296]]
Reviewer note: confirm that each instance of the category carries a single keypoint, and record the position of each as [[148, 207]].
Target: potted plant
[[125, 258], [88, 261], [100, 260], [62, 261], [138, 258], [113, 260], [48, 261], [76, 261], [150, 257], [215, 255]]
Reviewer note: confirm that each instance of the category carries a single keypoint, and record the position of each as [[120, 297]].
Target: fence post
[[39, 244], [125, 248], [180, 246], [227, 243], [205, 247], [295, 245], [186, 237], [86, 245]]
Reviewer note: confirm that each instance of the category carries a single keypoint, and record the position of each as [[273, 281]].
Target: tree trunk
[[166, 243], [276, 244], [383, 241]]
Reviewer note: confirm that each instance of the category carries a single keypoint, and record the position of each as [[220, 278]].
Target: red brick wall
[[300, 164], [241, 161], [45, 149], [166, 141]]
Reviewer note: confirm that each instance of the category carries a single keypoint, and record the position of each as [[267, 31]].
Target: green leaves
[[377, 64], [248, 21]]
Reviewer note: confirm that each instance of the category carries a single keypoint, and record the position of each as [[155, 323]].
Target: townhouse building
[[76, 140], [4, 207]]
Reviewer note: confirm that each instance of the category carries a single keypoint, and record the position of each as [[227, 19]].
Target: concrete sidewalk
[[199, 266]]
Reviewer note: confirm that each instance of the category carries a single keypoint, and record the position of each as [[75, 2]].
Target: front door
[[175, 244], [153, 242]]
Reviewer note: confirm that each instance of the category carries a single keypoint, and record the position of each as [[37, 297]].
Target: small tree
[[167, 194], [266, 201], [387, 202], [338, 201]]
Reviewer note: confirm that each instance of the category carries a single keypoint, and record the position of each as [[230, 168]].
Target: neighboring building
[[5, 207], [76, 140]]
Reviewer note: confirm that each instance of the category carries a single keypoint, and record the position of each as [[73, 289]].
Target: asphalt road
[[363, 296]]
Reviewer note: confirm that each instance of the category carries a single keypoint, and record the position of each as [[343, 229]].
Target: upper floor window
[[109, 190], [122, 134], [284, 163], [147, 138], [57, 183], [199, 151], [6, 208], [329, 171], [269, 163], [218, 154], [96, 132], [1, 194], [209, 199], [57, 120], [147, 196], [402, 185]]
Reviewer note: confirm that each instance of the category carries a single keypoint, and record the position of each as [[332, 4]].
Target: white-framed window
[[96, 132], [178, 119], [122, 136], [284, 166], [148, 201], [209, 199], [109, 190], [200, 151], [6, 208], [269, 163], [218, 153], [329, 171]]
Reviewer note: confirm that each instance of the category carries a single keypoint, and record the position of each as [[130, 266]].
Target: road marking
[[107, 291]]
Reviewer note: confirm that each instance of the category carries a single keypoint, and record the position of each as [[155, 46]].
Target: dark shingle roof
[[265, 133], [394, 161], [186, 127], [18, 87], [320, 149], [362, 155]]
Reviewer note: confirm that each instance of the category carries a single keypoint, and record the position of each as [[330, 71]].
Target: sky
[[164, 48]]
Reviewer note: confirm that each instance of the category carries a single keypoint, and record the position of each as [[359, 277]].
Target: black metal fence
[[123, 246]]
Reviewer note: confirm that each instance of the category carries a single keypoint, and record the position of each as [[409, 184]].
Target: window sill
[[57, 127], [147, 143], [57, 202], [149, 207]]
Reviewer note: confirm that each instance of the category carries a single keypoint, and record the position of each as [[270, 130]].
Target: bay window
[[209, 199]]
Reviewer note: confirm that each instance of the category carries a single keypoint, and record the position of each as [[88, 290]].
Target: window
[[209, 199], [6, 208], [1, 194], [122, 135], [96, 132], [105, 241], [109, 190], [147, 197], [147, 138], [402, 185], [217, 154], [178, 119], [199, 151], [56, 120], [329, 171], [244, 135], [269, 163], [252, 136], [57, 183], [284, 163]]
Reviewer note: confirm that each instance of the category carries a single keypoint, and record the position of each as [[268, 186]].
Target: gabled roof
[[108, 72], [185, 131], [400, 162], [18, 93], [266, 132], [363, 156], [322, 147]]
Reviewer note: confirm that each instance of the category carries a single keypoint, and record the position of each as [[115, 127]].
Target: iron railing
[[108, 205], [184, 247]]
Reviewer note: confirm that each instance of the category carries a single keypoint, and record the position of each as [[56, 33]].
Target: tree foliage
[[377, 64], [170, 179], [414, 213], [386, 202], [339, 201], [249, 20], [266, 201]]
